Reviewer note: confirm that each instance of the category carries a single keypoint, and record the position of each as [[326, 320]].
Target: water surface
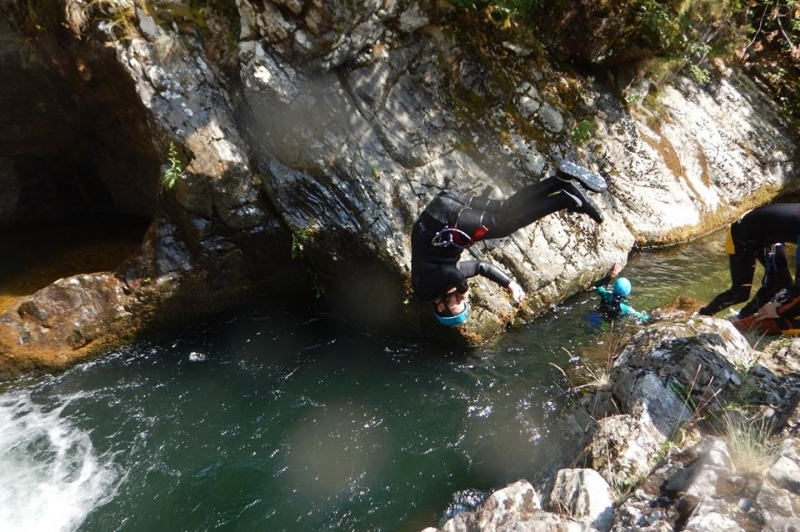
[[288, 419]]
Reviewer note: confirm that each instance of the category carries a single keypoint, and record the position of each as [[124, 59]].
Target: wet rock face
[[60, 321], [72, 142]]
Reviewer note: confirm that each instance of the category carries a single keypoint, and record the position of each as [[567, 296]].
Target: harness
[[454, 237], [769, 261], [451, 237]]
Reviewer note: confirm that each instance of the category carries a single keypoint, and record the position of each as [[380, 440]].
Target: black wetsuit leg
[[514, 204], [483, 218], [519, 202], [777, 222], [502, 218], [742, 268]]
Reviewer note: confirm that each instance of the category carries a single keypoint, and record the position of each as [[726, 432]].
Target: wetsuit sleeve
[[471, 268], [605, 294], [605, 281], [628, 310], [455, 277]]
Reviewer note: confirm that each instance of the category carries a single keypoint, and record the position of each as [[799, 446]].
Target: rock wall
[[309, 147]]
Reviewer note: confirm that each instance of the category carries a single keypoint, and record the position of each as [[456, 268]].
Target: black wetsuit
[[453, 221], [758, 235]]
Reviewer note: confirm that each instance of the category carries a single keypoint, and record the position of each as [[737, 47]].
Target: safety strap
[[455, 237], [451, 237]]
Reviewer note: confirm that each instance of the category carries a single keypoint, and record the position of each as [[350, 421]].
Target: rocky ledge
[[692, 428]]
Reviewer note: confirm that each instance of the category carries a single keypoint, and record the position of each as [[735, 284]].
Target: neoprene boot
[[583, 203], [590, 180]]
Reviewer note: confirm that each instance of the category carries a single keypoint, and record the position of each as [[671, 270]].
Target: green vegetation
[[301, 238], [667, 25], [583, 131], [174, 173], [502, 11], [671, 36], [216, 20]]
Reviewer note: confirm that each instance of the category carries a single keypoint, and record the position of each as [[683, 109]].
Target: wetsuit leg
[[476, 214], [503, 224], [743, 268], [484, 218], [479, 203], [521, 199], [519, 202]]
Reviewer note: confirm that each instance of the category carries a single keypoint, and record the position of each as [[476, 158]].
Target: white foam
[[51, 477]]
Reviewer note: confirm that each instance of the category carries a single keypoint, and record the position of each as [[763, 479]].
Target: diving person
[[453, 221]]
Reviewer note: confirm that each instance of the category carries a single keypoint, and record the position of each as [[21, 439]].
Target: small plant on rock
[[175, 171], [583, 131], [300, 238]]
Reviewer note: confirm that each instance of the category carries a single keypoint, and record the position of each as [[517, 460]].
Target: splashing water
[[50, 475]]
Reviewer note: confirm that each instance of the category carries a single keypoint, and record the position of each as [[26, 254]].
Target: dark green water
[[287, 420]]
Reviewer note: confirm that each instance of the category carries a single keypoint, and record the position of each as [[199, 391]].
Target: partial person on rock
[[780, 316], [453, 221], [759, 235]]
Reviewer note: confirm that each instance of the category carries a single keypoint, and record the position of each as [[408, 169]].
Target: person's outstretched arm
[[615, 269], [471, 268], [628, 310]]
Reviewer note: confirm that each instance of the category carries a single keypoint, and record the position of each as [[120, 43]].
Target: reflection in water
[[287, 419]]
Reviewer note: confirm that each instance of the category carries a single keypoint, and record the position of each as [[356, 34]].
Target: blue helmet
[[622, 287], [452, 321]]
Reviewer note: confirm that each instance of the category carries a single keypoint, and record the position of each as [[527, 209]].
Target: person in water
[[614, 302], [759, 235], [453, 221]]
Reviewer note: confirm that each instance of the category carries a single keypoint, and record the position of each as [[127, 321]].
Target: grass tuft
[[752, 450]]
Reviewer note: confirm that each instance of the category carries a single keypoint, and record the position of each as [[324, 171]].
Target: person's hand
[[768, 311], [516, 291], [616, 269]]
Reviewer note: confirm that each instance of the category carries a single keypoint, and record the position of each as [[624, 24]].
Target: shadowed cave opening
[[78, 167]]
